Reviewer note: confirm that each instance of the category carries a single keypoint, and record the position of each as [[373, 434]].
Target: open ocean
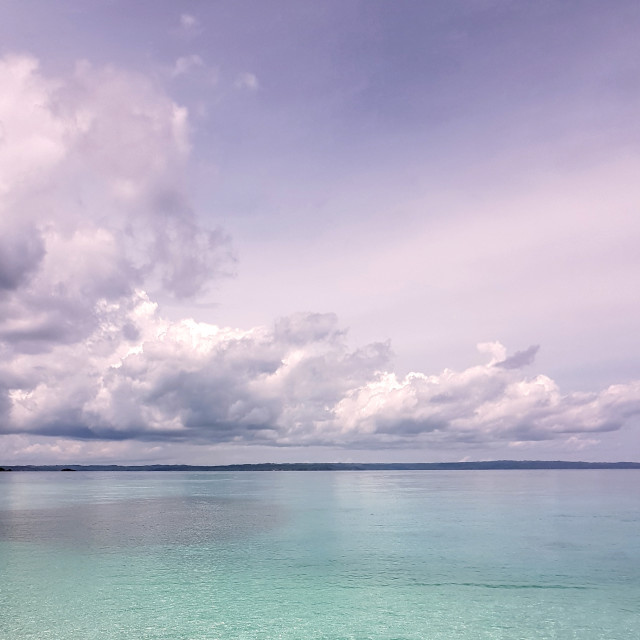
[[448, 555]]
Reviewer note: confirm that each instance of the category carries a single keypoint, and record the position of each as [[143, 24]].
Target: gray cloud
[[92, 204], [20, 255], [520, 358]]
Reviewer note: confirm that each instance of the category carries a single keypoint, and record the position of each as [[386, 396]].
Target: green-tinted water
[[402, 555]]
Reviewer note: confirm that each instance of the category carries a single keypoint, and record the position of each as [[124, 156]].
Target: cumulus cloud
[[142, 377], [482, 404], [95, 217], [92, 202]]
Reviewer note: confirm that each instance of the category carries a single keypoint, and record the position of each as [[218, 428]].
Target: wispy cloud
[[247, 81], [185, 64], [189, 24]]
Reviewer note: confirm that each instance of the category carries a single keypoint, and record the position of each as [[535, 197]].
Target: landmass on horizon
[[486, 465]]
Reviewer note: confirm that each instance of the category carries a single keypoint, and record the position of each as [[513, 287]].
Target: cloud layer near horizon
[[95, 217]]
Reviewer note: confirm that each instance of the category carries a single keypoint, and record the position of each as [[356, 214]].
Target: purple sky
[[297, 231]]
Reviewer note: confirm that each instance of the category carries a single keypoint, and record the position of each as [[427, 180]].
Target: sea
[[393, 555]]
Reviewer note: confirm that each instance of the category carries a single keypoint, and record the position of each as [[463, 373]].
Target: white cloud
[[141, 377], [482, 404]]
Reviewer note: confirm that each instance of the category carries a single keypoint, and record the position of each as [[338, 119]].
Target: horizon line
[[333, 466]]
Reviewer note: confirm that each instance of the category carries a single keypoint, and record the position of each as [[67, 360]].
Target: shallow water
[[385, 555]]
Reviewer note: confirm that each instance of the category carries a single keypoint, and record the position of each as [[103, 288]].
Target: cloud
[[186, 64], [20, 254], [141, 377], [247, 81], [189, 24], [482, 404], [93, 202], [519, 358], [96, 220], [188, 21]]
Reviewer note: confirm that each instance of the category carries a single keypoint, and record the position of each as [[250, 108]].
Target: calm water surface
[[333, 555]]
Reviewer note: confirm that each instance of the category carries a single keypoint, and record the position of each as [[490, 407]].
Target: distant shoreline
[[339, 466]]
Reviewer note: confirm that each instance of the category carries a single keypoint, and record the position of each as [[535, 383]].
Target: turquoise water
[[385, 555]]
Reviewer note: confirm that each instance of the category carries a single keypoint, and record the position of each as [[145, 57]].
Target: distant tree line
[[341, 466]]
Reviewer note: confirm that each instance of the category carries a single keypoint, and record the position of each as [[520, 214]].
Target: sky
[[290, 231]]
